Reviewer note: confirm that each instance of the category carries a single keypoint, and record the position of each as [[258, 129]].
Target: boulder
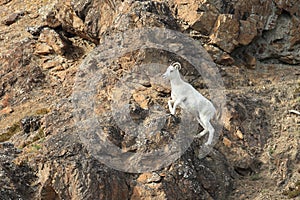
[[51, 41], [199, 16], [225, 32]]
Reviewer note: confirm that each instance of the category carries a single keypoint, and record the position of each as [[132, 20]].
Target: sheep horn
[[177, 65]]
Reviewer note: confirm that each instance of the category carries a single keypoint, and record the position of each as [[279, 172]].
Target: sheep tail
[[219, 112]]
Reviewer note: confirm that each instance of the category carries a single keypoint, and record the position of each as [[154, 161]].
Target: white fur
[[189, 99]]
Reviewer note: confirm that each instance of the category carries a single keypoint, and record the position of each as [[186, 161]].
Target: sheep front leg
[[172, 100], [177, 102], [170, 105]]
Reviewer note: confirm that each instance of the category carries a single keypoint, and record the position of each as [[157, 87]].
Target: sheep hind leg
[[202, 133], [207, 128], [200, 122], [204, 127], [211, 131]]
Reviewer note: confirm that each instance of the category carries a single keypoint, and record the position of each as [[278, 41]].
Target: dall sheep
[[190, 100]]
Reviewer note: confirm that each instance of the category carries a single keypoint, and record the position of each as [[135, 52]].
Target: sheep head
[[172, 71]]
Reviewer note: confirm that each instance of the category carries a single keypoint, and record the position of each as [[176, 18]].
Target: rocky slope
[[255, 44]]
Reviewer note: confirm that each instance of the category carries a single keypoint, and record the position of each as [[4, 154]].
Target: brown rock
[[43, 49], [239, 134], [61, 75], [148, 185], [225, 32], [5, 102], [149, 177], [227, 142], [214, 51], [141, 99], [291, 6], [295, 32], [11, 19], [248, 31], [3, 2], [204, 22], [50, 64], [148, 192], [250, 60], [6, 110], [200, 21], [218, 55], [71, 19], [226, 59], [53, 40], [81, 17]]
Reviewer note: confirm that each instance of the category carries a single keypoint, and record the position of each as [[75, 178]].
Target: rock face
[[234, 24], [229, 25], [42, 154], [281, 42], [15, 178]]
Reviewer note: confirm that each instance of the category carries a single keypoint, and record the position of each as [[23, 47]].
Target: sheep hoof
[[198, 136], [168, 115], [174, 118]]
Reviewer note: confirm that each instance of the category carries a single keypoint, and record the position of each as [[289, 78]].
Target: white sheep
[[189, 99]]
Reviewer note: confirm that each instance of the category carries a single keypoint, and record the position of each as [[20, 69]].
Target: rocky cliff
[[48, 59]]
